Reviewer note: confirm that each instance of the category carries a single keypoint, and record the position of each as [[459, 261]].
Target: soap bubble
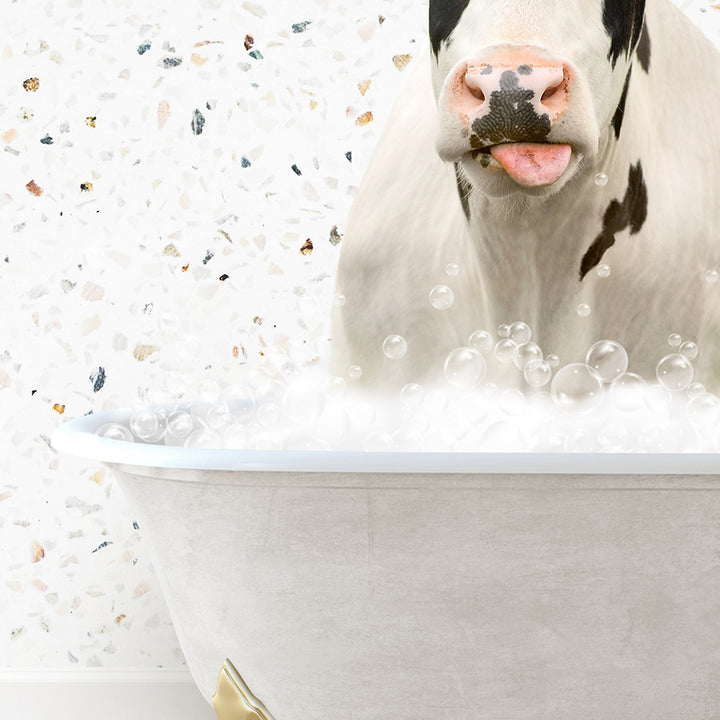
[[704, 409], [268, 441], [674, 372], [677, 436], [583, 310], [378, 441], [412, 395], [337, 387], [711, 277], [628, 392], [209, 391], [505, 351], [608, 359], [613, 436], [695, 389], [482, 341], [243, 402], [577, 389], [452, 269], [145, 424], [520, 333], [303, 403], [553, 360], [526, 352], [603, 270], [435, 403], [601, 179], [580, 440], [333, 425], [114, 431], [188, 348], [219, 416], [441, 297], [503, 330], [394, 347], [658, 399], [268, 414], [203, 438], [512, 402], [405, 440], [179, 425], [355, 372], [237, 437], [465, 368], [689, 350], [338, 300], [674, 340], [537, 373], [363, 414]]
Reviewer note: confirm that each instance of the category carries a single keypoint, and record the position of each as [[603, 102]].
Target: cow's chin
[[492, 180]]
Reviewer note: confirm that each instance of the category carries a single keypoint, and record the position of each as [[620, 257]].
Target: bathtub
[[361, 586]]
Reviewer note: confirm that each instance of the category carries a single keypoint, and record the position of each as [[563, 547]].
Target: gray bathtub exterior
[[486, 591]]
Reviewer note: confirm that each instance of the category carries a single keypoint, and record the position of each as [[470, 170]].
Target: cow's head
[[528, 90]]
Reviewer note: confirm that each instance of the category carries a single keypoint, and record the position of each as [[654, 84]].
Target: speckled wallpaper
[[174, 182]]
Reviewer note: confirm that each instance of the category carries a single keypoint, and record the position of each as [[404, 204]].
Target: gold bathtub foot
[[233, 700]]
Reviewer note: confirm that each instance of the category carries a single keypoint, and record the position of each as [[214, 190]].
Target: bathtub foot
[[233, 700]]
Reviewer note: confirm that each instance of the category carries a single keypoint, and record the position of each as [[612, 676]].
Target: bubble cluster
[[596, 405]]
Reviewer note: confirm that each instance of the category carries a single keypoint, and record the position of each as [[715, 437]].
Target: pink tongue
[[533, 164]]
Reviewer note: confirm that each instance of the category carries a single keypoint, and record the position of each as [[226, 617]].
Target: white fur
[[520, 254]]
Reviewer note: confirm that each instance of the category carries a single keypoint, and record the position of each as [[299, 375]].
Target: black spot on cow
[[524, 70], [463, 188], [643, 49], [623, 21], [630, 213], [617, 120], [444, 17], [511, 116]]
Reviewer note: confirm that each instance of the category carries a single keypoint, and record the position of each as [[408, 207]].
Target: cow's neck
[[530, 251]]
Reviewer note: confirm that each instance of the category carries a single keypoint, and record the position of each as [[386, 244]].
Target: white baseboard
[[99, 693]]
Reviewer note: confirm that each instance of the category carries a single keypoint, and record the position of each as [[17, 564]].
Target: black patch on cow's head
[[630, 213], [643, 49], [511, 116], [444, 17], [617, 120], [623, 21], [464, 188]]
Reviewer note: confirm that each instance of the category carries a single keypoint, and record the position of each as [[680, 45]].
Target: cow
[[555, 162]]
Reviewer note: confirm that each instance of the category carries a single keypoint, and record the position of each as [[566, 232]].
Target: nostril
[[474, 85], [477, 93], [553, 94], [549, 93]]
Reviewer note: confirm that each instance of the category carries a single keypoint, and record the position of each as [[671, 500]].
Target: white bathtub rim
[[77, 437]]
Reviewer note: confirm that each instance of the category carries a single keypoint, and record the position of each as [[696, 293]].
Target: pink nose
[[520, 94]]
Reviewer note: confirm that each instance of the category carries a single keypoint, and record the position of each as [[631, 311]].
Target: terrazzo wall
[[173, 191]]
